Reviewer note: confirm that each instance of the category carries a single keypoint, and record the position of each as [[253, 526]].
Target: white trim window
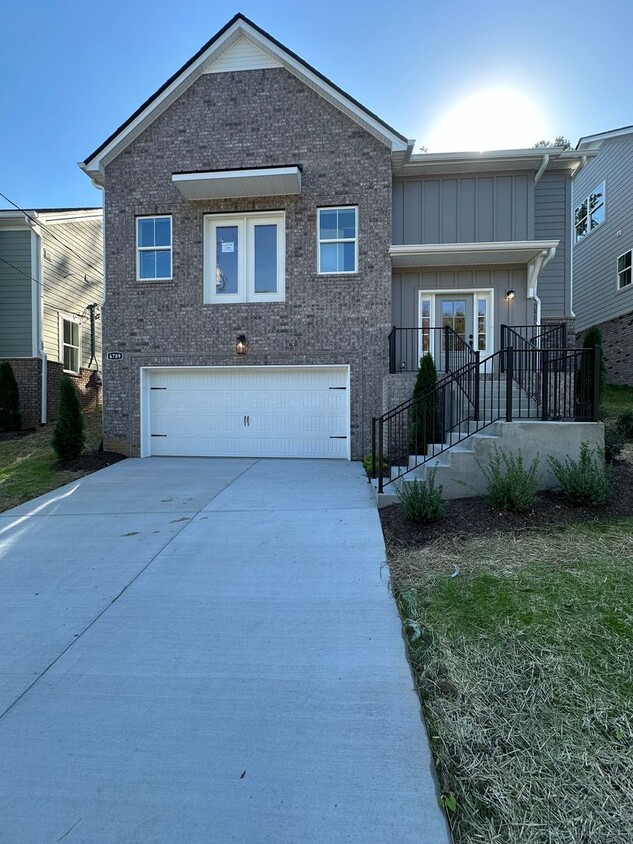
[[70, 343], [245, 257], [153, 248], [338, 240], [624, 270], [590, 213]]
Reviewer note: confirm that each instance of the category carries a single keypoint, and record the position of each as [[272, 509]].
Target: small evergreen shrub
[[584, 375], [625, 424], [614, 442], [367, 464], [68, 436], [10, 417], [511, 485], [424, 415], [586, 480], [422, 501]]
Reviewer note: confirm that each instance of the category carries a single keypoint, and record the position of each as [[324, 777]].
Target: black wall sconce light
[[510, 295], [240, 344]]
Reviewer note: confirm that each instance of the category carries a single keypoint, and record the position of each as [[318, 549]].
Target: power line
[[43, 286], [52, 234]]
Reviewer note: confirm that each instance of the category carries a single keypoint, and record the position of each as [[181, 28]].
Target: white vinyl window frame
[[168, 249], [63, 345], [625, 272], [246, 225], [588, 212], [321, 240], [430, 297]]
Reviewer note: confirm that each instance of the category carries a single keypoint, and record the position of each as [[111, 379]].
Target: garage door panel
[[266, 412]]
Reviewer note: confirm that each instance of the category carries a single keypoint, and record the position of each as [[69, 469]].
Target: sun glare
[[498, 118]]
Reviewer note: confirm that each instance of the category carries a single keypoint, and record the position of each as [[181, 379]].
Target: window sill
[[71, 373], [626, 287], [337, 276]]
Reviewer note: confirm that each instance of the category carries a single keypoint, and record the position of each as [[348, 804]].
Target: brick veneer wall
[[89, 393], [234, 120], [28, 374], [617, 346]]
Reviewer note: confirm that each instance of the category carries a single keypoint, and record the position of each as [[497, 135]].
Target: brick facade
[[617, 345], [28, 374], [235, 120]]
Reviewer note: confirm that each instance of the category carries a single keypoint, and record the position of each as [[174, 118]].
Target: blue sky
[[73, 71]]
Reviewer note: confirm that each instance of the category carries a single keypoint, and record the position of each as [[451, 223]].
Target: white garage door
[[259, 411]]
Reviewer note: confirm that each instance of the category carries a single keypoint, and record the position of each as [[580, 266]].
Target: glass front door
[[455, 313]]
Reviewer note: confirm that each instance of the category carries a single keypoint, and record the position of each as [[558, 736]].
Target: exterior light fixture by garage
[[510, 295], [240, 344]]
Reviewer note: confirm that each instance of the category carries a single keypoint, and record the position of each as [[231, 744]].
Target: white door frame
[[481, 292], [145, 372]]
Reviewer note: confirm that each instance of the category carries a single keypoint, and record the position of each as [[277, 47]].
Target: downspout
[[541, 169], [534, 270], [39, 312]]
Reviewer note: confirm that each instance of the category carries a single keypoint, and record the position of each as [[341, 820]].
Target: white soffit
[[230, 184], [242, 55], [468, 254]]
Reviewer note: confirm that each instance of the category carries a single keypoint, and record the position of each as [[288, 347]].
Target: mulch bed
[[91, 461], [471, 517]]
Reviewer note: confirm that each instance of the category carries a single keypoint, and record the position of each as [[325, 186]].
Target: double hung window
[[70, 343], [338, 240], [153, 248]]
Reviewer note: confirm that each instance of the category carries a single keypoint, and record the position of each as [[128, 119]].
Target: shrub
[[511, 486], [613, 442], [367, 464], [424, 419], [422, 500], [586, 480], [68, 436], [625, 424], [10, 417], [584, 375]]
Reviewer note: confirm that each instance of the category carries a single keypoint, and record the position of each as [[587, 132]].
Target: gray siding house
[[603, 246], [278, 259], [51, 287]]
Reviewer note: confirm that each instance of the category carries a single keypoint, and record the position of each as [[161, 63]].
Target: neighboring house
[[603, 247], [51, 287], [264, 234]]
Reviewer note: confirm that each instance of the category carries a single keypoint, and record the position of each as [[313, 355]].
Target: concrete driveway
[[206, 650]]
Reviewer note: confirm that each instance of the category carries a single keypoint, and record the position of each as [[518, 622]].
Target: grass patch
[[617, 399], [27, 464], [524, 662]]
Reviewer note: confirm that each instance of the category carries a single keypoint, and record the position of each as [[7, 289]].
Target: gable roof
[[594, 141], [238, 29]]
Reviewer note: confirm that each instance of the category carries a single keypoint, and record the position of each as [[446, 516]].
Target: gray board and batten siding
[[463, 209], [16, 331], [596, 296], [481, 209]]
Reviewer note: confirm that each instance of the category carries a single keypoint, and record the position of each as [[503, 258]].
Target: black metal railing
[[449, 349], [539, 336], [537, 384]]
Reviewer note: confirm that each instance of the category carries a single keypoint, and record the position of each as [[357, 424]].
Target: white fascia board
[[228, 184], [445, 254], [94, 166], [593, 141], [52, 217]]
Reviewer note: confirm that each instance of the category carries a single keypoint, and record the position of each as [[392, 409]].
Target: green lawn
[[617, 399], [26, 464], [524, 663]]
